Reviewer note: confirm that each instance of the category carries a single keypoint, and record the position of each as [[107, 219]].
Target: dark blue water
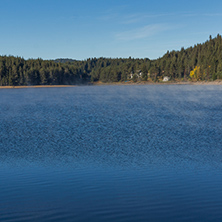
[[111, 153]]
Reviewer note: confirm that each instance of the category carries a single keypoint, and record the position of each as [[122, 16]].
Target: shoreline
[[216, 82], [36, 86]]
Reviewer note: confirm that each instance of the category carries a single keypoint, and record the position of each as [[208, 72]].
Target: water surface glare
[[111, 153]]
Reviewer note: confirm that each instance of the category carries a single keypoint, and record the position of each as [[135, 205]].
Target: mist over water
[[111, 153]]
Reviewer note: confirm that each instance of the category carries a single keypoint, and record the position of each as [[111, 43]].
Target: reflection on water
[[111, 153]]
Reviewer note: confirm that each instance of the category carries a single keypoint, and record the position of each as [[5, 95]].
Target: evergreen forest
[[199, 62]]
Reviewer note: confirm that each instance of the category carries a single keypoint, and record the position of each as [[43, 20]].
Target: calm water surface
[[111, 153]]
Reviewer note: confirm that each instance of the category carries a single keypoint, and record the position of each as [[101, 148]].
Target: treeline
[[16, 71], [201, 62]]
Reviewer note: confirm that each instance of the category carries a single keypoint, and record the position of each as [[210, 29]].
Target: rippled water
[[111, 153]]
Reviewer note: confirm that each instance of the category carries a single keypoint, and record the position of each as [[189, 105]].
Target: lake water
[[111, 153]]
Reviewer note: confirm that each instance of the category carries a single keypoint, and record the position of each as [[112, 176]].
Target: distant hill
[[62, 60], [199, 62]]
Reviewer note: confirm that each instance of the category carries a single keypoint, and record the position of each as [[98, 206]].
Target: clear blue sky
[[82, 29]]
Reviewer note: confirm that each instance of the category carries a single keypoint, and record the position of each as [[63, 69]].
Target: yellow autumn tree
[[195, 73]]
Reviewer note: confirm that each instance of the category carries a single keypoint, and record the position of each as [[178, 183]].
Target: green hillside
[[200, 62]]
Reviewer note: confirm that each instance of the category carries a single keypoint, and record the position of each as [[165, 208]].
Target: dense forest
[[200, 62]]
